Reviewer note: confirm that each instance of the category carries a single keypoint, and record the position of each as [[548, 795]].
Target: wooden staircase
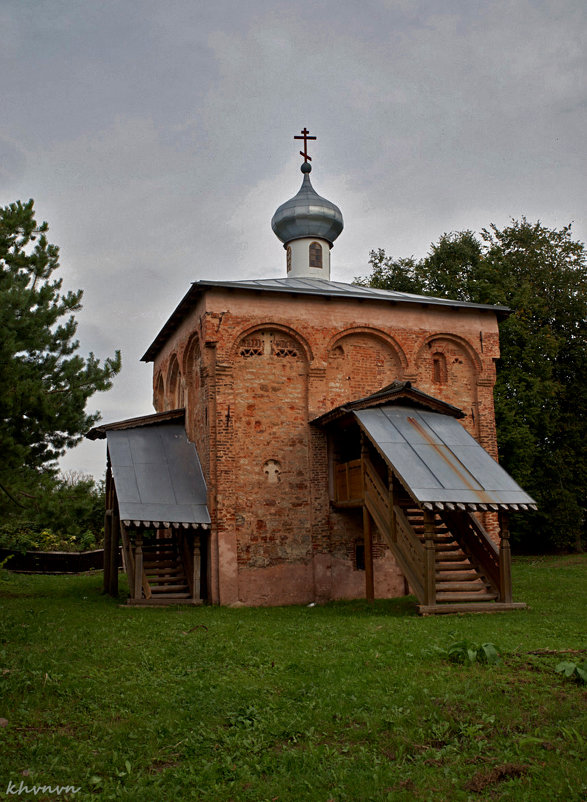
[[448, 559], [164, 570], [457, 578]]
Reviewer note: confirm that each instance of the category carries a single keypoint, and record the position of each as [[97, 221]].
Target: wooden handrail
[[376, 482], [476, 544], [397, 531], [413, 552]]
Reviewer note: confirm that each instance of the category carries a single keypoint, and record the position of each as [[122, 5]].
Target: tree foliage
[[44, 382], [59, 513], [541, 389]]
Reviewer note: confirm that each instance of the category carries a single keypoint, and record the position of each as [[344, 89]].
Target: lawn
[[347, 701]]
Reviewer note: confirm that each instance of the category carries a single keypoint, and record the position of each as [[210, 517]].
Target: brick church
[[314, 440]]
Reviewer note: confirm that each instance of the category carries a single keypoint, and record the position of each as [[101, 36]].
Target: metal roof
[[158, 476], [306, 286], [438, 461], [170, 416], [398, 392]]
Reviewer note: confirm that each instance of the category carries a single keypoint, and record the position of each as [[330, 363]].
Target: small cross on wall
[[305, 136]]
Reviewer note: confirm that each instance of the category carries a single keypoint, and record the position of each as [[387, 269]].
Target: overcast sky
[[157, 139]]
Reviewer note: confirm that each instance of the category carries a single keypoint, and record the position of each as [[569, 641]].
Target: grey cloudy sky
[[156, 139]]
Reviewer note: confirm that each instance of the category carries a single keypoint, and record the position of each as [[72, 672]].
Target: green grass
[[347, 701]]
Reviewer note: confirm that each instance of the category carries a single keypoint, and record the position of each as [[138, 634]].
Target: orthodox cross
[[305, 136]]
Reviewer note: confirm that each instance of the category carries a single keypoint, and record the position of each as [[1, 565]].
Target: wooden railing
[[413, 554], [396, 530], [348, 483], [377, 494]]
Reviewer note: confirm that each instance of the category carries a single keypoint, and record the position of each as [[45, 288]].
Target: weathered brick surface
[[252, 369]]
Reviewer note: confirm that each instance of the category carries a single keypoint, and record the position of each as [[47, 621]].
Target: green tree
[[59, 513], [541, 389], [44, 382]]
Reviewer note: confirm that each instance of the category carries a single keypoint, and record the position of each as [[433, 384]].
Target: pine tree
[[44, 382]]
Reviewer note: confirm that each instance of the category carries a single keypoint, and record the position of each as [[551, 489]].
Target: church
[[313, 441]]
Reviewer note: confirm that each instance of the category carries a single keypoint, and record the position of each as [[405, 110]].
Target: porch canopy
[[156, 472], [438, 462]]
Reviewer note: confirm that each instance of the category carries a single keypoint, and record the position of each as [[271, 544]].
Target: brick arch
[[192, 355], [174, 384], [195, 396], [158, 392], [249, 332], [465, 345], [360, 361], [455, 376], [385, 338]]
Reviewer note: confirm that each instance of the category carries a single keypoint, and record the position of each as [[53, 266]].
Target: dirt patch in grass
[[482, 779], [162, 765]]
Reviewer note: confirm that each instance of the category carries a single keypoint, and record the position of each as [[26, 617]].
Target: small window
[[288, 259], [315, 254]]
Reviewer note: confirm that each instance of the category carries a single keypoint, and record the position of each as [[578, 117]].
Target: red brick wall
[[255, 368]]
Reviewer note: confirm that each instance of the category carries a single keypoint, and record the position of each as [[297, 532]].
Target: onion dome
[[307, 215]]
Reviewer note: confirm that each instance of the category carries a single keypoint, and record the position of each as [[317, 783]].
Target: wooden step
[[169, 588], [457, 576], [470, 607], [465, 597], [158, 570], [442, 587], [451, 557], [449, 547], [453, 566]]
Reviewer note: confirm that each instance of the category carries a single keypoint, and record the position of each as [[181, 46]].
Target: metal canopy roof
[[158, 477], [305, 286], [438, 461]]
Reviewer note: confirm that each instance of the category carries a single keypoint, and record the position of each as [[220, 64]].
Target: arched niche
[[192, 364], [174, 384], [359, 362], [271, 339], [194, 394], [269, 437], [159, 393], [448, 368]]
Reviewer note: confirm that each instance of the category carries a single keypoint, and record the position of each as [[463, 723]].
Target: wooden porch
[[164, 562], [448, 560]]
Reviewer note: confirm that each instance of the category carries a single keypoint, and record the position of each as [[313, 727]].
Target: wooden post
[[128, 559], [369, 583], [107, 551], [430, 579], [505, 559], [114, 532], [108, 529], [197, 567], [138, 583]]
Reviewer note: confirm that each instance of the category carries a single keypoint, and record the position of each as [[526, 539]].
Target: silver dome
[[307, 215]]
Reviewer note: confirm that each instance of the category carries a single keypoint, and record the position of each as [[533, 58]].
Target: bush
[[63, 513]]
